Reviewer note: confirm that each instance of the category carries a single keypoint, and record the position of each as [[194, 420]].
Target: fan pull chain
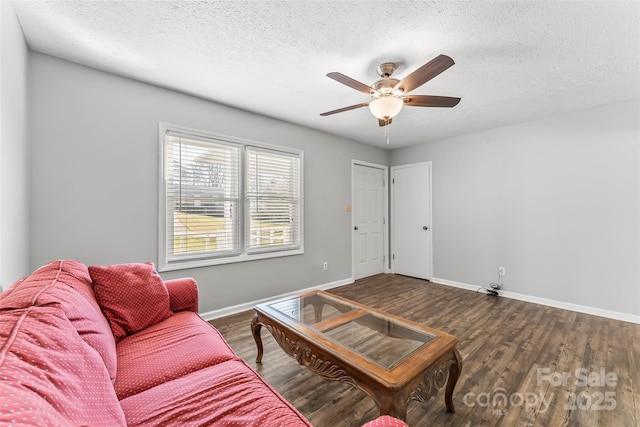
[[386, 131]]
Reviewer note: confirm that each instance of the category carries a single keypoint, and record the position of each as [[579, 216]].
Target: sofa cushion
[[68, 285], [49, 375], [132, 296], [386, 421], [181, 344], [228, 394]]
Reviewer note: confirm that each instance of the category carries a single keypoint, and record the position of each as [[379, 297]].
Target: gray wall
[[95, 180], [556, 201], [14, 150]]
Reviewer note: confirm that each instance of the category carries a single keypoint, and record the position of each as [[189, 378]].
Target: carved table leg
[[389, 405], [256, 326], [317, 311], [454, 374]]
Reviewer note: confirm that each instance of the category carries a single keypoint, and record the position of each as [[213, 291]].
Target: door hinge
[[383, 182], [393, 181], [393, 256], [384, 220], [384, 258]]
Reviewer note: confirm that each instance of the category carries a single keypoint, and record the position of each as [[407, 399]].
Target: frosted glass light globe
[[386, 107]]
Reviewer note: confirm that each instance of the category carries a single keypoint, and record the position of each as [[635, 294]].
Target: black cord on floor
[[493, 289]]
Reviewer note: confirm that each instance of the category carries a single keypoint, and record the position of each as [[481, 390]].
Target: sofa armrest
[[386, 421], [183, 294], [6, 292]]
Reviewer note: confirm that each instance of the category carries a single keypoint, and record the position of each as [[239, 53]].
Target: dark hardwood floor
[[524, 364]]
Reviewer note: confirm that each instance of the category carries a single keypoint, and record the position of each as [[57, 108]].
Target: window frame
[[169, 263]]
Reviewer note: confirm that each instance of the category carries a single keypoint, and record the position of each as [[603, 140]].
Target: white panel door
[[411, 220], [368, 221]]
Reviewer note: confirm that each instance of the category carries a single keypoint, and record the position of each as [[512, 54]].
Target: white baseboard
[[626, 317], [455, 284], [214, 314]]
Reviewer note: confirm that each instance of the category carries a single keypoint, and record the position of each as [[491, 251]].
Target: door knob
[[425, 228], [355, 228]]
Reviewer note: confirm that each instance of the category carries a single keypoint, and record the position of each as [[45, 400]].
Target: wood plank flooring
[[524, 364]]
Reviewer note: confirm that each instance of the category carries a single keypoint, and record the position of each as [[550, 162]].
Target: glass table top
[[382, 340]]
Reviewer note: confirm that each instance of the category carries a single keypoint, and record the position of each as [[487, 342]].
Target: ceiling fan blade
[[340, 110], [430, 101], [384, 122], [354, 84], [425, 73]]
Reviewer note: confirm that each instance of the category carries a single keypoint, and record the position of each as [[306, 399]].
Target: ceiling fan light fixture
[[386, 107], [389, 94], [397, 91]]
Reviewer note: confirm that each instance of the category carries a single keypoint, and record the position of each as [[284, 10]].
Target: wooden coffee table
[[393, 360]]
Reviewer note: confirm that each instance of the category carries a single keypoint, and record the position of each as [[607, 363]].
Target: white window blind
[[202, 198], [273, 196], [226, 200]]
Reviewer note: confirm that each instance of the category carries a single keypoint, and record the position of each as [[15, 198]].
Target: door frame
[[385, 209], [392, 207]]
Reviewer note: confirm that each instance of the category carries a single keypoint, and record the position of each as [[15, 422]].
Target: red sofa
[[115, 346]]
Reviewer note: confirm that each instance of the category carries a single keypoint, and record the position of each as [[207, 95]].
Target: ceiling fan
[[390, 94]]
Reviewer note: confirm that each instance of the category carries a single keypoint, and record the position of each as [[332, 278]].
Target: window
[[226, 200], [273, 193]]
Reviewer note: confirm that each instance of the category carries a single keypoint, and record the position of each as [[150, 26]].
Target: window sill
[[196, 263]]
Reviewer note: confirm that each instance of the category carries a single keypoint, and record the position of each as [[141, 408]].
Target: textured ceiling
[[515, 61]]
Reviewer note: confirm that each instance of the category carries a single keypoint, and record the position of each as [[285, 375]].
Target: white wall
[[14, 150], [95, 180], [556, 201]]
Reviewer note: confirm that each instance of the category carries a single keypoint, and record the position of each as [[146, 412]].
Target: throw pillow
[[131, 296]]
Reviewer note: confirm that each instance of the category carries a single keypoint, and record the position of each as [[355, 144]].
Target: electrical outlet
[[325, 266], [502, 271]]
